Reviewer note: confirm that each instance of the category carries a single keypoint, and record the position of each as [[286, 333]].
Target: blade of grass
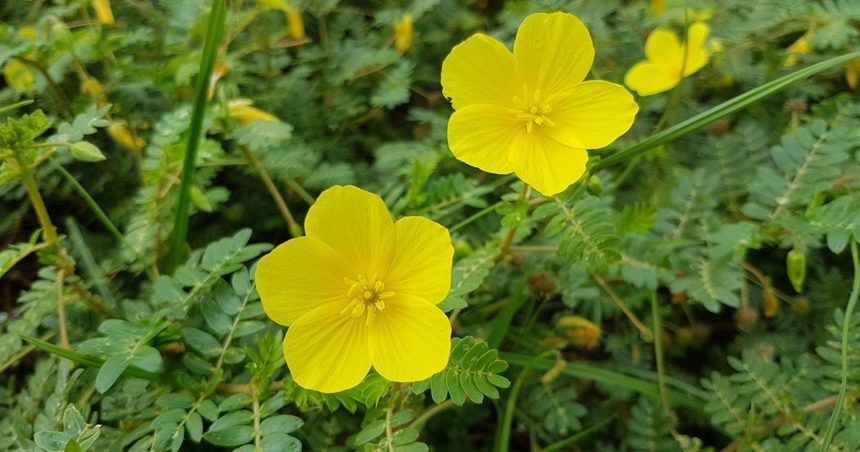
[[608, 377], [720, 111], [86, 360], [846, 321], [176, 252]]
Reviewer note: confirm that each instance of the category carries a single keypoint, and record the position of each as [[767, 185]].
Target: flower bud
[[594, 185], [795, 266], [86, 152]]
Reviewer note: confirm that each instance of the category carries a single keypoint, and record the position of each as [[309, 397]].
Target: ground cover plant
[[491, 225]]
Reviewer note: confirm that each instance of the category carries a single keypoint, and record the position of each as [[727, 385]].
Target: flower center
[[366, 295], [532, 109]]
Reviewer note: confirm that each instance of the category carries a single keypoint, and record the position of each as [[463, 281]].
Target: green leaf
[[283, 423], [110, 372], [231, 436], [194, 426], [87, 152]]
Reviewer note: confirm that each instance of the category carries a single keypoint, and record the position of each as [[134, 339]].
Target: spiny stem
[[257, 429], [658, 353], [292, 224], [61, 310], [389, 413], [504, 248], [430, 412], [647, 335]]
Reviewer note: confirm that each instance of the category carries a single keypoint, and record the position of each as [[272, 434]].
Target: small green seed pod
[[795, 265]]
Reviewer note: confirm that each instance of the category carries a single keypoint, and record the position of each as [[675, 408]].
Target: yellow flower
[[580, 331], [104, 14], [530, 112], [120, 133], [852, 69], [294, 17], [668, 61], [19, 77], [403, 33], [242, 111], [799, 47], [360, 290]]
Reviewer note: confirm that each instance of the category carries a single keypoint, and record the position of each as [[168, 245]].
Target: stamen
[[366, 296]]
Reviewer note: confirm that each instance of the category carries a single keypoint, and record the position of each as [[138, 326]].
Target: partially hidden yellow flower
[[667, 60], [580, 331], [360, 290], [852, 70], [242, 111], [121, 134], [294, 17], [530, 112], [218, 71], [19, 76], [799, 47], [104, 13], [658, 6], [403, 33]]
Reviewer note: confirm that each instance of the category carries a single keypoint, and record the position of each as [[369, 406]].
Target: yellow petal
[[480, 70], [697, 54], [327, 351], [357, 225], [119, 132], [651, 78], [481, 136], [662, 46], [592, 115], [295, 23], [410, 340], [104, 14], [299, 276], [242, 111], [422, 262], [852, 69], [554, 52], [403, 33], [545, 164]]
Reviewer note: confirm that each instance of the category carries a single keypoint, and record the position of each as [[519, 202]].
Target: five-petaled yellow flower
[[530, 112], [668, 61], [360, 290]]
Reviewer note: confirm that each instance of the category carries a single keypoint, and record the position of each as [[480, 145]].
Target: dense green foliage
[[717, 265]]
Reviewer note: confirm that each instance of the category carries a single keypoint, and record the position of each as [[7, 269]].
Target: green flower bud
[[594, 185], [87, 152], [795, 266]]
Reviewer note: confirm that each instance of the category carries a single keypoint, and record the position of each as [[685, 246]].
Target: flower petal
[[651, 78], [299, 276], [410, 340], [480, 135], [592, 115], [423, 256], [357, 225], [545, 164], [327, 351], [554, 52], [662, 46], [697, 54], [480, 70]]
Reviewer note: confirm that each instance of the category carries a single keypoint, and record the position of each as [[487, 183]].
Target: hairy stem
[[646, 333], [292, 224]]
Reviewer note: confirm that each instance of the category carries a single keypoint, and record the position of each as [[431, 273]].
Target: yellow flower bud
[[403, 33], [799, 47], [242, 111], [657, 6], [220, 70], [580, 331], [91, 87], [28, 33], [104, 14], [120, 133]]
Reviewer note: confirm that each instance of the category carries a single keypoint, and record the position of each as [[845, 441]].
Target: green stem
[[658, 352], [214, 31], [476, 216], [563, 444], [48, 229], [846, 322], [722, 110], [504, 437]]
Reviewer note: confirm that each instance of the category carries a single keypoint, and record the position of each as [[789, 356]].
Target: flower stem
[[647, 334], [61, 310], [48, 230], [292, 224], [658, 353], [430, 412]]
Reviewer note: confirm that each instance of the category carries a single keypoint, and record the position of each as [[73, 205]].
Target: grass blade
[[176, 252]]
